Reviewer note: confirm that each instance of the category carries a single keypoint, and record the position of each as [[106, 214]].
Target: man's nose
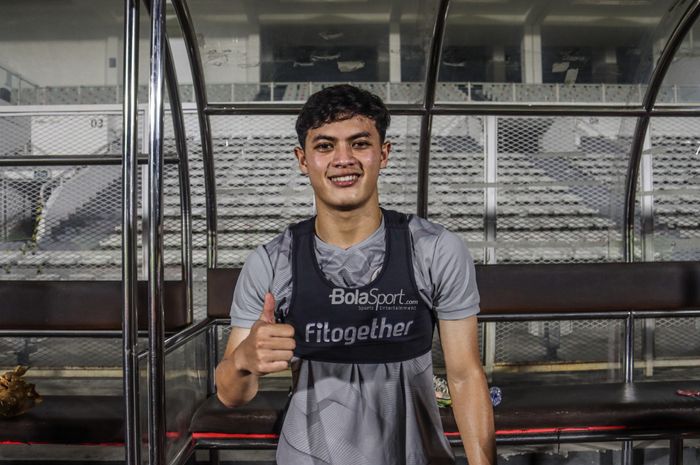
[[343, 156]]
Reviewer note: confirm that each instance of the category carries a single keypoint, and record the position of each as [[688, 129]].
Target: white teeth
[[350, 177]]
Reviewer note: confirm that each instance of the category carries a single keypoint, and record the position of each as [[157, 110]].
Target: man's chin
[[347, 205]]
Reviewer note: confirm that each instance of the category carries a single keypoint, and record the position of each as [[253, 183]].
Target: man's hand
[[269, 346]]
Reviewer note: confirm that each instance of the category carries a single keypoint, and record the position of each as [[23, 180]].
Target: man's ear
[[301, 158], [386, 149]]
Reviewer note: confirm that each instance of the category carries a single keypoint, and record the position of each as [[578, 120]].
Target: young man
[[350, 298]]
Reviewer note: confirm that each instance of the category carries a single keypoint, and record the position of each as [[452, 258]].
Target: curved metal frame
[[156, 330], [132, 422], [674, 41], [428, 102], [190, 38], [183, 175]]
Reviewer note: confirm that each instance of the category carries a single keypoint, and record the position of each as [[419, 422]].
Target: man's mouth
[[345, 180]]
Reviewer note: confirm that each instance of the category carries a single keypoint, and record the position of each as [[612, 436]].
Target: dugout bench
[[76, 309], [589, 412], [619, 411]]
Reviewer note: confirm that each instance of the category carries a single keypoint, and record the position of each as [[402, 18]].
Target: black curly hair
[[338, 103]]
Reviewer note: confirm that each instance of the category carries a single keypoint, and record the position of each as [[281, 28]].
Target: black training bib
[[384, 321]]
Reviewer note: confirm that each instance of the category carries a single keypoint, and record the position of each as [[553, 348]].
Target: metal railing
[[478, 93]]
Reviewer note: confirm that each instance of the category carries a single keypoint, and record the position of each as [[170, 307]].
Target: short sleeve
[[254, 281], [455, 295]]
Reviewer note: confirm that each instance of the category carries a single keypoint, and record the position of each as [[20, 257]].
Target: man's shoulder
[[279, 243], [282, 242], [433, 239], [425, 232]]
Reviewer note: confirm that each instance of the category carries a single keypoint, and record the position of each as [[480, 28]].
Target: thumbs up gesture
[[269, 346]]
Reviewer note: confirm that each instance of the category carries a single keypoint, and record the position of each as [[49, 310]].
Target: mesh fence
[[43, 353], [61, 134], [65, 222], [67, 213], [558, 185], [456, 190], [561, 189], [562, 350], [557, 188], [669, 207], [675, 171], [667, 348]]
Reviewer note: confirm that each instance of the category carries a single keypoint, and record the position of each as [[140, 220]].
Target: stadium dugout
[[122, 245]]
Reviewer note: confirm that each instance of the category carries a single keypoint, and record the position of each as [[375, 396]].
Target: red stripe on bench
[[233, 436], [505, 432], [29, 443], [578, 429]]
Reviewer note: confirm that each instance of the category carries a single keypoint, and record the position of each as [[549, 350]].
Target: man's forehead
[[344, 128]]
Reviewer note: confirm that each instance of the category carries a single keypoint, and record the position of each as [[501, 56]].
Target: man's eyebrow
[[333, 139], [323, 137], [360, 134]]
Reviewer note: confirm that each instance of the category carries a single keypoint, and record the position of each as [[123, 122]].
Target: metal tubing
[[675, 111], [628, 362], [212, 354], [219, 109], [183, 176], [424, 165], [505, 317], [107, 333], [520, 439], [675, 451], [70, 160], [184, 454], [198, 81], [156, 333], [631, 187], [627, 453], [428, 103], [177, 340], [674, 41], [132, 422], [519, 109], [508, 109]]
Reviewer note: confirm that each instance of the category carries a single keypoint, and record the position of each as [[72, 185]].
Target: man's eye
[[361, 144], [323, 147]]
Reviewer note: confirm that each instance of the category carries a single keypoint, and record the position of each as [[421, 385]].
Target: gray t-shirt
[[354, 414]]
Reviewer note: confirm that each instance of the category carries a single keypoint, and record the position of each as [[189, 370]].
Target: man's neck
[[346, 228]]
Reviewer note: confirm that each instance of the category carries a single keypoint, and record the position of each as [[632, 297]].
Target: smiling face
[[343, 160]]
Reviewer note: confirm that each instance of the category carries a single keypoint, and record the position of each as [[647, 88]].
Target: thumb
[[268, 313]]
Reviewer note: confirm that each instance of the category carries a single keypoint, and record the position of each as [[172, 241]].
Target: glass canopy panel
[[284, 50], [548, 51], [669, 189], [681, 84], [457, 179], [668, 229], [44, 44], [559, 188]]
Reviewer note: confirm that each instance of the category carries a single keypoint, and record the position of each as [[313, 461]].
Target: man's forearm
[[471, 405], [234, 386]]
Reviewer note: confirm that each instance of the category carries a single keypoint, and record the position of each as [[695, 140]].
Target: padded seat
[[529, 414], [81, 305], [74, 420], [86, 420]]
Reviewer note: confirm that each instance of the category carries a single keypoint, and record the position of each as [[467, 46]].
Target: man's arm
[[471, 403], [251, 353]]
